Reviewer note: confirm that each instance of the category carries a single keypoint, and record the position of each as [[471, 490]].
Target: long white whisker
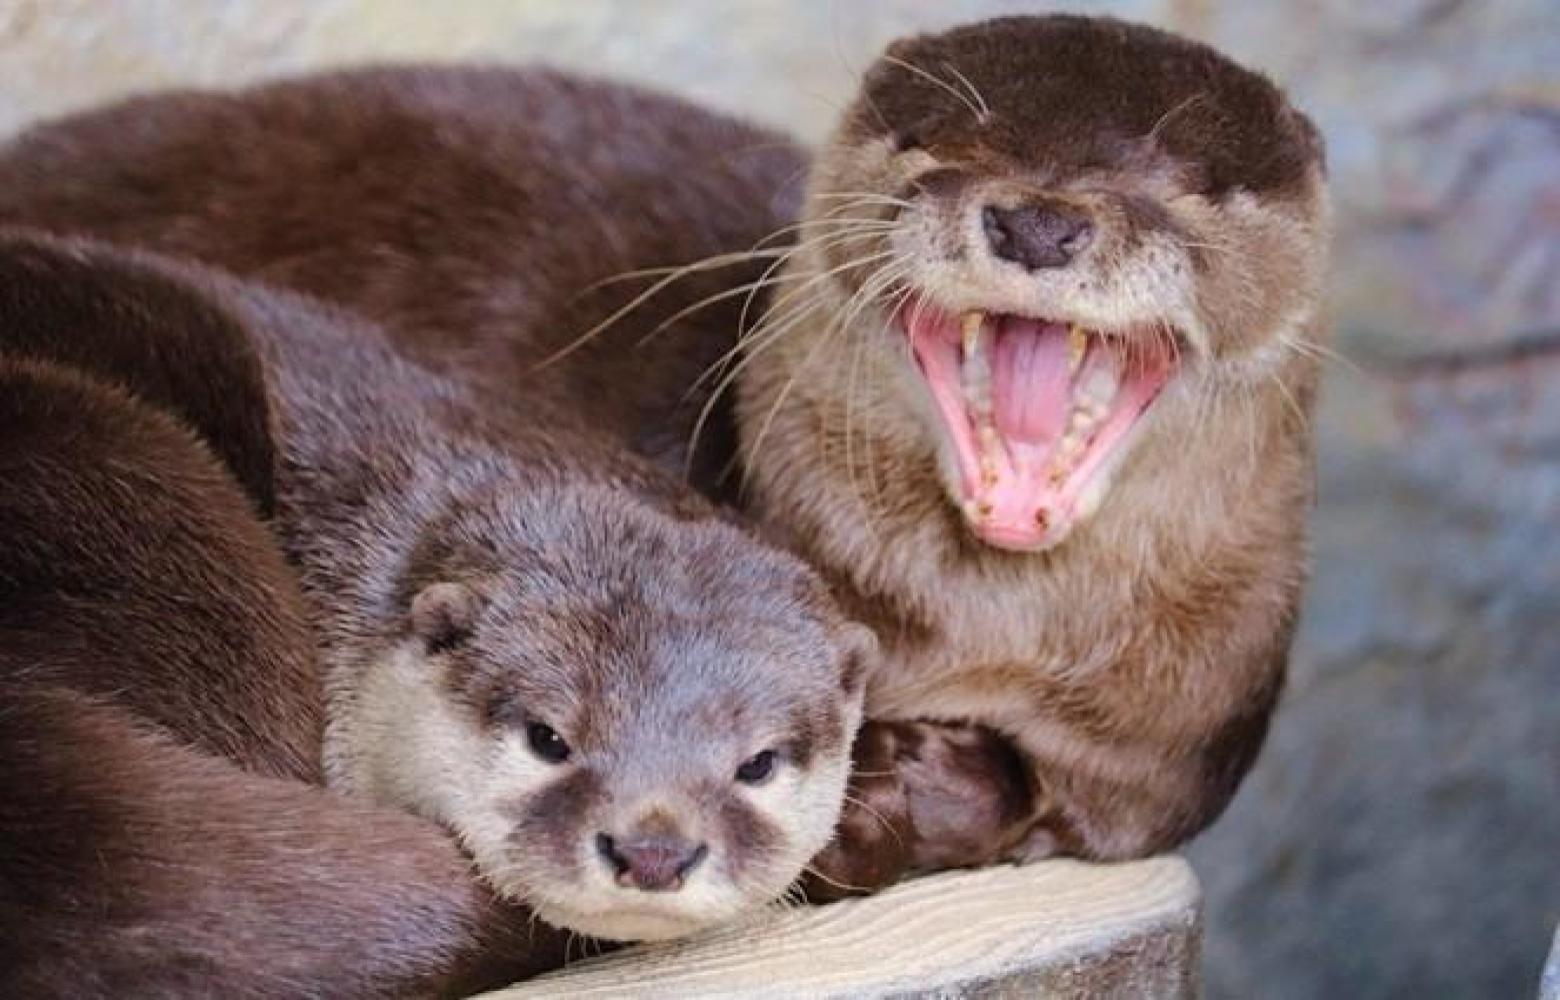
[[752, 345], [830, 221], [882, 820], [673, 273], [1320, 352], [774, 316], [864, 198], [1165, 118], [820, 876], [767, 279], [938, 81], [985, 109], [709, 264], [869, 288], [727, 260]]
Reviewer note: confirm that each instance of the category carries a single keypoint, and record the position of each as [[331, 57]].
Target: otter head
[[1075, 234], [638, 723]]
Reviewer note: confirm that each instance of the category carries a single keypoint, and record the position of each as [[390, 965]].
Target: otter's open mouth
[[1036, 411]]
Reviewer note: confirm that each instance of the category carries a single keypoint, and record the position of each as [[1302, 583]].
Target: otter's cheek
[[752, 836], [540, 811], [817, 810]]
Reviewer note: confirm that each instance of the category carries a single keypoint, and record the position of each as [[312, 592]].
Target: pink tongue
[[1031, 380]]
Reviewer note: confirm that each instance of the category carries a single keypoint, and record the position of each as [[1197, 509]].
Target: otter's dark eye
[[546, 743], [906, 140], [758, 768]]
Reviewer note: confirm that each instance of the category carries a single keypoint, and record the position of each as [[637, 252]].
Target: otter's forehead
[[1067, 95], [637, 647], [651, 616]]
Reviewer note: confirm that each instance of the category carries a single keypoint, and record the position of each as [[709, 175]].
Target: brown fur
[[467, 211], [1135, 666], [160, 832], [446, 232], [925, 796]]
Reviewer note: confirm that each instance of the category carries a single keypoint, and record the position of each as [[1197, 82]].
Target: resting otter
[[636, 718], [1124, 222]]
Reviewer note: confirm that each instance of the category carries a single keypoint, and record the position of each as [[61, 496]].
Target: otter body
[[1047, 419], [1035, 391], [479, 216]]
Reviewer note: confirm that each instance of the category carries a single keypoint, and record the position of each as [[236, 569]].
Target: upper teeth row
[[1095, 392]]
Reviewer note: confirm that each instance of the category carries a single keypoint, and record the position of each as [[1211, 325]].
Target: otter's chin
[[622, 923], [1037, 412]]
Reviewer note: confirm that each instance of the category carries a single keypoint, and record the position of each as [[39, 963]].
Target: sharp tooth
[[974, 321], [990, 448], [1077, 347], [976, 376], [978, 339], [978, 510]]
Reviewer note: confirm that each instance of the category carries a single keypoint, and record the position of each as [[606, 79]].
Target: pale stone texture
[[1401, 835]]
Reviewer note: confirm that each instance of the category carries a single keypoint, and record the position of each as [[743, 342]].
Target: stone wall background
[[1401, 834]]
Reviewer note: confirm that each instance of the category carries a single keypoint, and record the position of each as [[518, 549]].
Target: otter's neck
[[371, 460]]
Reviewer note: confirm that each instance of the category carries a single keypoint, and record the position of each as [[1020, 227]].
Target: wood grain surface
[[1056, 929]]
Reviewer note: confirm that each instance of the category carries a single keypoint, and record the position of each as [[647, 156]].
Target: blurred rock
[[1401, 834], [1549, 988]]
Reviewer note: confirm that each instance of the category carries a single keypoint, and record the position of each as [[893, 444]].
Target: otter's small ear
[[860, 646], [900, 48], [443, 615], [1315, 143]]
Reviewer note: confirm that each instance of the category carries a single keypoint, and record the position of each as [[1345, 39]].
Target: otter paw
[[968, 790], [874, 841]]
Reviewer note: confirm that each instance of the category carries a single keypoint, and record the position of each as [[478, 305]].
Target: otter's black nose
[[654, 864], [1036, 235]]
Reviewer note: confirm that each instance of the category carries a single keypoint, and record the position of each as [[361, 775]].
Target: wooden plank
[[1057, 929]]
